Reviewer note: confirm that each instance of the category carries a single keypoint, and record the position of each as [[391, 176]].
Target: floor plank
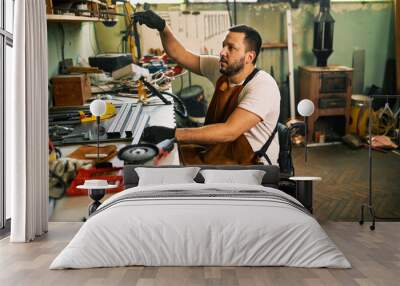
[[338, 197], [375, 257]]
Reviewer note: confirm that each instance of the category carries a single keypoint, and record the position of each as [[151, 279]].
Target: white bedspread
[[180, 231]]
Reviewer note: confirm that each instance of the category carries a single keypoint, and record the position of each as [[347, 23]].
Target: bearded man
[[243, 113]]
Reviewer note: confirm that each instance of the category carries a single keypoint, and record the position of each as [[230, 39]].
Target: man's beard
[[233, 69]]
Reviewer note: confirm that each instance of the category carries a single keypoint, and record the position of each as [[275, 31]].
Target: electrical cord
[[179, 106]]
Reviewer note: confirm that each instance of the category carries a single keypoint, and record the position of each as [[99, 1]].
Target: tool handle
[[166, 145], [155, 91]]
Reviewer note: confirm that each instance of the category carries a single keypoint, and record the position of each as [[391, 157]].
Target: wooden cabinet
[[330, 89], [70, 90]]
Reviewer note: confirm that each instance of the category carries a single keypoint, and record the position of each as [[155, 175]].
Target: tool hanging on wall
[[131, 37]]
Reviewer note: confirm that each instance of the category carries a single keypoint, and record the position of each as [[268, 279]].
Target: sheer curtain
[[26, 124]]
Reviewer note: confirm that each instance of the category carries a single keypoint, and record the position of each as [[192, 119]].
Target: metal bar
[[144, 119], [133, 120], [305, 138], [290, 62], [115, 128], [124, 117], [370, 153], [113, 125]]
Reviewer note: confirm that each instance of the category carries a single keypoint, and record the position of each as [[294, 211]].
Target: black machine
[[323, 34], [110, 62], [194, 99]]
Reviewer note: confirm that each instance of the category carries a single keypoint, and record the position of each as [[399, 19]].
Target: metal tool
[[141, 153], [155, 91]]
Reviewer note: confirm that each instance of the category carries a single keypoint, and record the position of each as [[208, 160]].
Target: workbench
[[74, 208], [162, 115]]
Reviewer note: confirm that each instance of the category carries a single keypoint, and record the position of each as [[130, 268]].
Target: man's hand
[[150, 19], [156, 134]]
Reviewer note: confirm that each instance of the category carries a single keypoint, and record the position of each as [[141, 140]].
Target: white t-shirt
[[260, 96]]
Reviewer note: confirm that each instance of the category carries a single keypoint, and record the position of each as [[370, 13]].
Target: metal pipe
[[305, 138], [290, 62], [98, 137], [370, 152]]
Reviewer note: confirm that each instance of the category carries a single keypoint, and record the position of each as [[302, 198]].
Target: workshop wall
[[367, 25], [359, 25], [80, 42]]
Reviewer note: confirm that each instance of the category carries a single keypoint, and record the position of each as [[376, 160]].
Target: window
[[9, 12], [6, 44]]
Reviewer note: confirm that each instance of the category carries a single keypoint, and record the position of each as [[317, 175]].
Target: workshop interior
[[111, 82], [312, 51]]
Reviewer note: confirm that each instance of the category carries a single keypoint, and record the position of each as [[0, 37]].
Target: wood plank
[[274, 46], [75, 19], [374, 255], [71, 18]]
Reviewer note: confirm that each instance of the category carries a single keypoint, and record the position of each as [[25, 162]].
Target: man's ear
[[251, 55]]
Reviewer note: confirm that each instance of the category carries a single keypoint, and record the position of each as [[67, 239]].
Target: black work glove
[[150, 19], [156, 134]]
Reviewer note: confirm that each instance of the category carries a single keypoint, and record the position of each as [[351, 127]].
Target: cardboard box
[[71, 90]]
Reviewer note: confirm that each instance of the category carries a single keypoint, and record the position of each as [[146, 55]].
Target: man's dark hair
[[252, 38]]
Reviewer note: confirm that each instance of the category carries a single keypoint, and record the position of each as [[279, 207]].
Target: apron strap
[[250, 76], [263, 151]]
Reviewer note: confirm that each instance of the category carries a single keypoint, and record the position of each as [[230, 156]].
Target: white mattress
[[183, 231]]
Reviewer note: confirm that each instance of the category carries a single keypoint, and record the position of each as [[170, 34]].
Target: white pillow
[[163, 176], [249, 177]]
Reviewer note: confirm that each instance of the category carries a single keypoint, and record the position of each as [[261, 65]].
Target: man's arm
[[178, 52], [171, 45], [238, 122]]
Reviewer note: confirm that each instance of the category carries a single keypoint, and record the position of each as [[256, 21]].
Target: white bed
[[221, 225]]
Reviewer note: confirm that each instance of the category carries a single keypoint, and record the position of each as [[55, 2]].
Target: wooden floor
[[344, 185], [374, 255], [338, 197]]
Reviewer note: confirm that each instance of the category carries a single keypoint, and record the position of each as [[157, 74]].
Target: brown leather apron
[[223, 103]]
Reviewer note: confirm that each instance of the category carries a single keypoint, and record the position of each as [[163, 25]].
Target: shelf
[[274, 46], [98, 2], [72, 18]]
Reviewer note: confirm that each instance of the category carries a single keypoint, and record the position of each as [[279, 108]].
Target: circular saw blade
[[138, 153]]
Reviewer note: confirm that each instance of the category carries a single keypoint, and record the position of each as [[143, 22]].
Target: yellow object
[[358, 120], [141, 92], [110, 112], [382, 121], [358, 123], [129, 11], [52, 156]]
